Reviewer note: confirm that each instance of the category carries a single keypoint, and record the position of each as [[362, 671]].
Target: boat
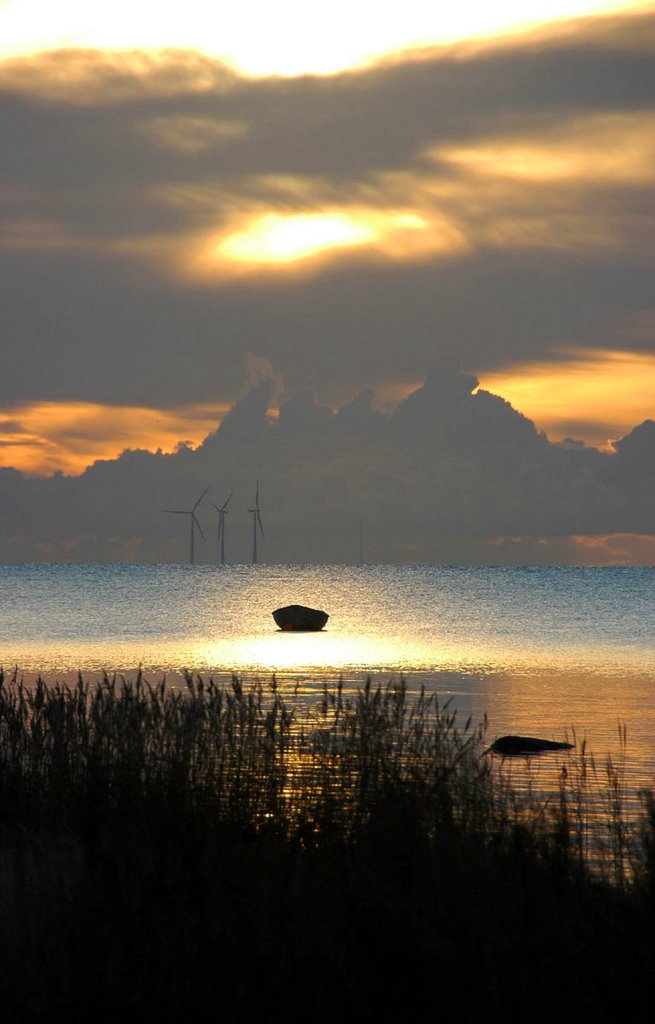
[[298, 618]]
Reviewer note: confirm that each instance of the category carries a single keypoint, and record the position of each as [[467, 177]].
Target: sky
[[394, 263]]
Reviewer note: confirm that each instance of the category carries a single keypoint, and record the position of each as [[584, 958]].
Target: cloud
[[258, 371], [91, 78], [247, 421], [615, 549], [596, 149], [286, 41], [25, 236], [452, 474], [492, 192], [188, 134], [301, 415], [637, 449], [67, 437], [445, 389], [596, 393], [147, 198]]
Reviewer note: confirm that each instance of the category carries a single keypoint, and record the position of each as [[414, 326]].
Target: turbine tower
[[256, 524], [220, 540], [194, 521]]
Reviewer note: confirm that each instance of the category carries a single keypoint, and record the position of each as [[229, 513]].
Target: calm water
[[539, 650]]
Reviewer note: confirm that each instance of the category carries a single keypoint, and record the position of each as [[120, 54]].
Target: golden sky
[[289, 37], [44, 437], [597, 396]]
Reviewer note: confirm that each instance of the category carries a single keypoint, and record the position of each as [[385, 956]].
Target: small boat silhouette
[[511, 745], [300, 619]]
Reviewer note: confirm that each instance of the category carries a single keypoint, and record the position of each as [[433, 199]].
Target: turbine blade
[[176, 511], [257, 495], [259, 520], [195, 520], [200, 498], [225, 504]]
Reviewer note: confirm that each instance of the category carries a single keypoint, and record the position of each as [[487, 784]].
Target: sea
[[562, 653]]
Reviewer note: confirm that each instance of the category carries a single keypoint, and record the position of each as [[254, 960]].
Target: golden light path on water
[[562, 694], [542, 651], [382, 618], [310, 653], [559, 697]]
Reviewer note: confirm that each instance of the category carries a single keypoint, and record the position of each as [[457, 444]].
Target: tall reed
[[238, 753], [224, 824]]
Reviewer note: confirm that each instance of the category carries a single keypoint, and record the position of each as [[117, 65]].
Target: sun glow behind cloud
[[275, 238], [259, 38], [278, 240], [447, 201]]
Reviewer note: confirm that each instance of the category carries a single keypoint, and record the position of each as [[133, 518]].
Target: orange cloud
[[88, 77], [256, 239], [577, 549], [276, 241], [616, 549], [592, 150], [287, 224], [450, 201], [596, 395], [44, 437], [453, 200]]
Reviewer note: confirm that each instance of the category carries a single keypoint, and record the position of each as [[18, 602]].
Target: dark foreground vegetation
[[212, 850]]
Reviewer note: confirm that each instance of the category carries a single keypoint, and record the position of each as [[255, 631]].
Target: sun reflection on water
[[285, 651]]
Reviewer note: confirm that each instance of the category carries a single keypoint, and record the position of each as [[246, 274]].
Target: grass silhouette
[[164, 850]]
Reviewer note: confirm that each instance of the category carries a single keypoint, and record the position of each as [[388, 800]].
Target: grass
[[162, 850]]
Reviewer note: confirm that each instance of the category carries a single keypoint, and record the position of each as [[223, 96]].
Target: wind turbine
[[256, 522], [220, 540], [194, 521]]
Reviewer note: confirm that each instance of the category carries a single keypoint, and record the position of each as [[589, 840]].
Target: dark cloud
[[450, 475], [300, 415], [638, 447], [247, 421]]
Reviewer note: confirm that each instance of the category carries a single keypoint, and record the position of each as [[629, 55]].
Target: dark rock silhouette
[[297, 617], [510, 745]]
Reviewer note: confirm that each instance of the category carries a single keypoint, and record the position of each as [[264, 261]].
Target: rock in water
[[298, 618], [509, 745]]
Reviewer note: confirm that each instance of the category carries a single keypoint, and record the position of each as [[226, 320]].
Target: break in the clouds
[[287, 38], [165, 215], [450, 474]]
